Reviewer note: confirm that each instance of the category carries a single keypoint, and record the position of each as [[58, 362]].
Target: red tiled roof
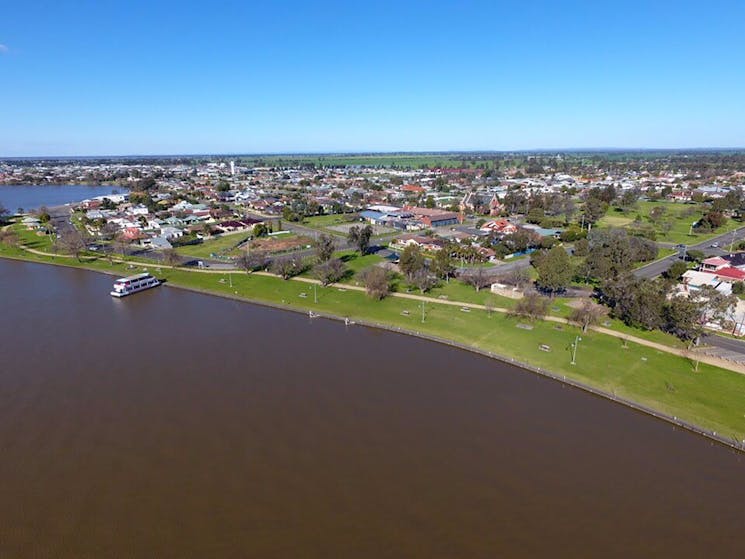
[[732, 273]]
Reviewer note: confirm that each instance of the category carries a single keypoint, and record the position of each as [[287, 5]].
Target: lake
[[173, 424], [31, 197]]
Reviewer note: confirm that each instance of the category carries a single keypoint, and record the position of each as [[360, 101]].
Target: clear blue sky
[[114, 77]]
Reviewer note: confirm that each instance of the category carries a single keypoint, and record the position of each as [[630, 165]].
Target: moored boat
[[133, 284]]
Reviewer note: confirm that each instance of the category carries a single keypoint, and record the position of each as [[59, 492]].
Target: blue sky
[[104, 77]]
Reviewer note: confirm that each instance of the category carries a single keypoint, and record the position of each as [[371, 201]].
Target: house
[[171, 232], [713, 264], [486, 253], [158, 242], [499, 226], [480, 202], [422, 241], [730, 275], [131, 234], [694, 280], [432, 217]]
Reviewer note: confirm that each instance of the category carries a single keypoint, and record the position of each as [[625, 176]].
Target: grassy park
[[678, 216], [224, 245], [711, 398]]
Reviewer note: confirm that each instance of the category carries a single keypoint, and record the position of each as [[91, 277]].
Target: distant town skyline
[[332, 77]]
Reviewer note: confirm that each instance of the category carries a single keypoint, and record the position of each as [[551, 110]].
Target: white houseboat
[[133, 284]]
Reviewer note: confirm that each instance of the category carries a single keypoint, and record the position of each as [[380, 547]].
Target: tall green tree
[[442, 264], [411, 261], [360, 237], [325, 246], [554, 269]]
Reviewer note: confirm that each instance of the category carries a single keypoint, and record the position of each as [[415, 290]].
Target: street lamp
[[574, 349]]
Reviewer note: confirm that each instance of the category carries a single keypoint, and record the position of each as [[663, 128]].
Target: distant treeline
[[701, 162]]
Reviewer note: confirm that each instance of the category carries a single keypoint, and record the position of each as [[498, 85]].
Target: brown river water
[[172, 424]]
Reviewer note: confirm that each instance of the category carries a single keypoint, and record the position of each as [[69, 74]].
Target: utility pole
[[315, 293], [422, 312], [574, 349]]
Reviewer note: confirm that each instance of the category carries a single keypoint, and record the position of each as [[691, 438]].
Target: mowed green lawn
[[32, 238], [680, 215], [323, 221], [216, 245], [712, 397]]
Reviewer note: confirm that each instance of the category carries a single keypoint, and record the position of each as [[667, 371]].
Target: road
[[724, 241]]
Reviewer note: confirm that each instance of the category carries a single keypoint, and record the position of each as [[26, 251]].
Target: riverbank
[[654, 381]]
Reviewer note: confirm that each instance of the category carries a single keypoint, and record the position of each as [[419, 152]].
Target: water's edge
[[711, 435]]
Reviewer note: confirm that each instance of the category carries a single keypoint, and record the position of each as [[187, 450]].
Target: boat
[[133, 284]]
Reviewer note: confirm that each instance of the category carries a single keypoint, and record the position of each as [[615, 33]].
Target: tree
[[638, 302], [477, 279], [594, 209], [715, 306], [360, 237], [423, 280], [171, 257], [554, 269], [519, 277], [442, 264], [710, 221], [535, 215], [260, 230], [377, 282], [696, 255], [287, 267], [532, 307], [656, 214], [587, 315], [676, 270], [613, 252], [8, 237], [3, 212], [629, 198], [329, 271], [411, 261], [120, 245], [682, 318], [325, 246], [581, 247], [72, 243], [252, 261]]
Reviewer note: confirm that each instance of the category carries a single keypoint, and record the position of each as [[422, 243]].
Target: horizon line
[[383, 152]]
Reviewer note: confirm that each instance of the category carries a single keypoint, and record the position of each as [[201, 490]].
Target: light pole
[[574, 349], [315, 293], [422, 312]]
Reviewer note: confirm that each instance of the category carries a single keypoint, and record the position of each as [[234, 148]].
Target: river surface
[[172, 424], [30, 197]]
